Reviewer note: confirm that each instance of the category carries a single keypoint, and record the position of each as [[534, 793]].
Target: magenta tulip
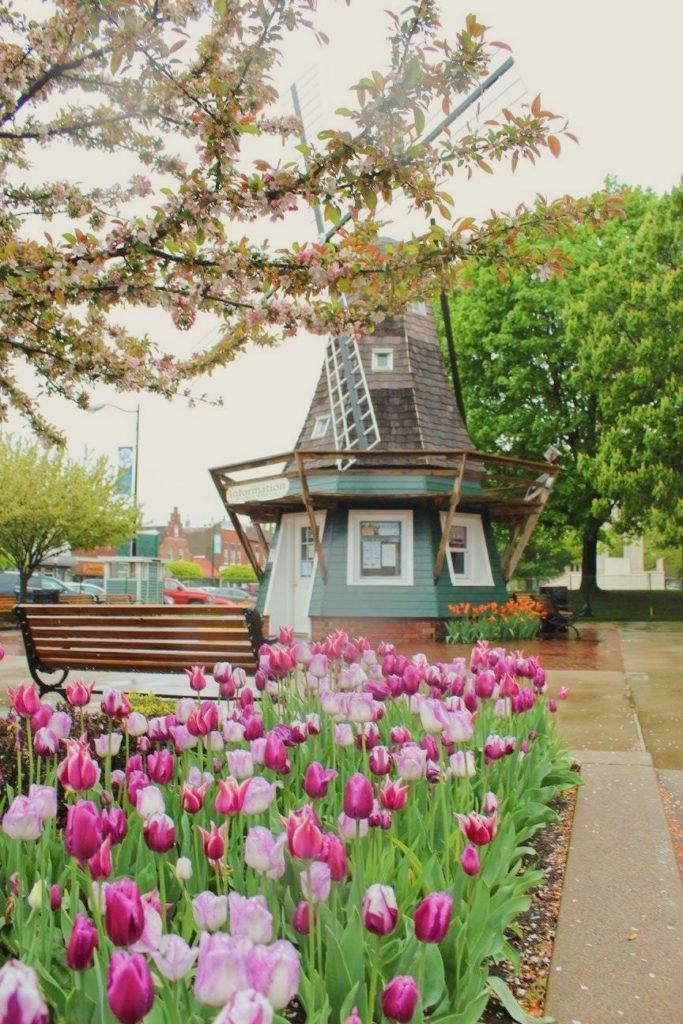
[[159, 833], [83, 831], [469, 860], [99, 864], [78, 771], [304, 834], [196, 678], [275, 754], [114, 824], [302, 918], [399, 998], [379, 910], [477, 828], [79, 693], [213, 842], [25, 699], [334, 855], [82, 944], [116, 704], [394, 795], [124, 915], [160, 767], [130, 990], [45, 742], [55, 897], [21, 999], [358, 797], [317, 779], [433, 916]]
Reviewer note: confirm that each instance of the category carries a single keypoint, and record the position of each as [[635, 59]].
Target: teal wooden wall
[[424, 599]]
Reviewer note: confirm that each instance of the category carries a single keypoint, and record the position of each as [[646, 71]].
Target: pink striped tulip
[[130, 990]]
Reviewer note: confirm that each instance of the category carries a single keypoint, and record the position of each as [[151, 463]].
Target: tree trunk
[[23, 586], [589, 581]]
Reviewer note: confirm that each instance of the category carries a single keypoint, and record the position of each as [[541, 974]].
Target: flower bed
[[344, 841], [517, 619]]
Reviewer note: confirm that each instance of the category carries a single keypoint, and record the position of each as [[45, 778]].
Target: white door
[[305, 565]]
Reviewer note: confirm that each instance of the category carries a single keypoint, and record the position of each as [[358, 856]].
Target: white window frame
[[320, 427], [419, 307], [353, 570], [379, 353], [477, 562]]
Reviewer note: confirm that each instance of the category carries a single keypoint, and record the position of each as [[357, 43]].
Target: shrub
[[517, 619]]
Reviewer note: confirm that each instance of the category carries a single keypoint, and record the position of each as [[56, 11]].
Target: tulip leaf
[[517, 1012]]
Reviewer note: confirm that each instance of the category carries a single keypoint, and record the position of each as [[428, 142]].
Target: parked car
[[178, 593], [39, 585], [87, 588], [233, 595]]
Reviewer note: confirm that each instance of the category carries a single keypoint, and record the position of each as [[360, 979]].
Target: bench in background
[[141, 638]]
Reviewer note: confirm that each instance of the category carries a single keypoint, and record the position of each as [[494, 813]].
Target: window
[[467, 555], [380, 548], [320, 427], [306, 552], [382, 359], [419, 307]]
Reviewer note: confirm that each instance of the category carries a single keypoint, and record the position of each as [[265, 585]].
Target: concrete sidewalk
[[618, 952]]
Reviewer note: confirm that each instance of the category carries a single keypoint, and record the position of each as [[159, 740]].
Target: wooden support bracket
[[306, 495], [244, 541], [263, 542], [452, 506], [522, 532]]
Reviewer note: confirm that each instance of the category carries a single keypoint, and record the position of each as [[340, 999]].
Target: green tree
[[238, 573], [183, 570], [588, 361], [49, 501], [157, 80]]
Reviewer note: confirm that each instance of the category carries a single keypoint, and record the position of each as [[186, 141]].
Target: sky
[[612, 67]]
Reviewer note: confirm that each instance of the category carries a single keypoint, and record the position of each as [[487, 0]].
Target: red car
[[176, 592]]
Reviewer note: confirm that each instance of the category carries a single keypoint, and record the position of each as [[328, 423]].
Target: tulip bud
[[302, 918], [82, 944], [304, 835], [358, 797], [159, 833], [433, 916], [130, 990], [100, 863], [317, 779], [183, 869], [379, 911], [196, 678], [83, 832], [399, 998], [469, 860], [213, 841], [35, 897], [55, 897], [210, 912], [354, 1017], [124, 915]]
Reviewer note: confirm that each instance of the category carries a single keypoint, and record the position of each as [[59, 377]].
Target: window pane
[[380, 547]]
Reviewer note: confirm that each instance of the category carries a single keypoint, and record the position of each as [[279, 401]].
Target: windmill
[[384, 509]]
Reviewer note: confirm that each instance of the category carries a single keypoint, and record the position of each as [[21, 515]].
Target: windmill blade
[[353, 416]]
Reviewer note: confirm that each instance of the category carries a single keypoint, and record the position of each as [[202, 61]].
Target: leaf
[[554, 145], [419, 120], [536, 106], [517, 1012]]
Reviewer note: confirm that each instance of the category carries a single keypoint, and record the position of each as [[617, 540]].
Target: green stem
[[373, 979], [162, 887], [29, 737], [20, 781]]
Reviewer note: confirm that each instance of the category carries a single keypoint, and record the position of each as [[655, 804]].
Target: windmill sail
[[353, 417]]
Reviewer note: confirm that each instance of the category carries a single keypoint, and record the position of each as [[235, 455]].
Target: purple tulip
[[221, 968], [210, 912], [159, 833], [380, 911], [130, 990], [433, 916], [83, 832], [334, 855], [246, 1007], [100, 864], [399, 998], [116, 704], [358, 797], [380, 761], [250, 918], [21, 1000], [124, 915], [354, 1017], [173, 957], [304, 834], [274, 972], [22, 820], [302, 918], [82, 944], [317, 779], [411, 762], [469, 859]]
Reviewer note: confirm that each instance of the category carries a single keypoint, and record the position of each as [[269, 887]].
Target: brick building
[[181, 542]]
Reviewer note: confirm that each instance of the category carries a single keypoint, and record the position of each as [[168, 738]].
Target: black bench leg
[[48, 687]]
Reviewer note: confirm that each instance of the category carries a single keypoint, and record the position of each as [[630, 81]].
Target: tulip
[[301, 921], [82, 944], [490, 803], [304, 834], [264, 853], [394, 795], [22, 820], [246, 1007], [196, 678], [60, 724], [25, 699], [241, 763], [469, 860], [149, 801], [477, 828], [42, 717], [275, 755], [258, 795], [79, 693], [136, 724], [317, 780], [174, 957], [108, 744], [379, 818], [100, 863], [316, 882], [343, 735], [463, 764], [380, 761], [116, 704], [379, 911], [21, 1000], [411, 762], [83, 831], [55, 897], [352, 828], [35, 897], [250, 918], [221, 968], [183, 869], [78, 771], [44, 799], [274, 972], [210, 912], [114, 824], [433, 916], [160, 767], [354, 1017], [159, 833], [358, 797], [334, 855], [124, 915], [191, 798], [399, 998], [130, 990], [45, 742], [213, 842]]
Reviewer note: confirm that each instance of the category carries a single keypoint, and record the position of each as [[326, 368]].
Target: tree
[[158, 80], [49, 501], [590, 362], [183, 570], [238, 573]]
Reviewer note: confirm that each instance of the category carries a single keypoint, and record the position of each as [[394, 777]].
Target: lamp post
[[136, 463]]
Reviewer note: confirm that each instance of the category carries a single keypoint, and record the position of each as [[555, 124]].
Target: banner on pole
[[126, 470]]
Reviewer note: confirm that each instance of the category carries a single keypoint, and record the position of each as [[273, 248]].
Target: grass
[[633, 605]]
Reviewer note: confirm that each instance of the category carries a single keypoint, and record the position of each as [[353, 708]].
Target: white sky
[[612, 67]]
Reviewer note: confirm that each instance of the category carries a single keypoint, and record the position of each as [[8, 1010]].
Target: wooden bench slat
[[151, 662], [147, 610], [130, 632], [152, 643]]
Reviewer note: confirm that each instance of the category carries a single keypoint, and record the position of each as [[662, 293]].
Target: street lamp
[[135, 412]]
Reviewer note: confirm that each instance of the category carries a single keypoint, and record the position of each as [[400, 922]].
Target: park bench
[[142, 638], [556, 619]]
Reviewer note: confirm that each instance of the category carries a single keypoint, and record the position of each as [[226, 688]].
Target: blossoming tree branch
[[183, 90]]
